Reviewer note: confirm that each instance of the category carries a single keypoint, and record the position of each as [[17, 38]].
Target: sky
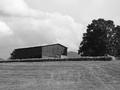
[[25, 23]]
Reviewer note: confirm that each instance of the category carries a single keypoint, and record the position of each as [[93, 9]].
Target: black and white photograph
[[59, 45]]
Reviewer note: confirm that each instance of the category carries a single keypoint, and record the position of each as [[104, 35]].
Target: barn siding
[[53, 51], [27, 53], [49, 51]]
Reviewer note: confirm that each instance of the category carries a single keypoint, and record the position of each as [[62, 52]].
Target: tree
[[115, 41], [96, 40]]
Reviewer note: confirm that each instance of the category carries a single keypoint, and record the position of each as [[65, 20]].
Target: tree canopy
[[101, 38]]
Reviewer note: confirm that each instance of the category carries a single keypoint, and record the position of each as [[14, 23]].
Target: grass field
[[79, 75]]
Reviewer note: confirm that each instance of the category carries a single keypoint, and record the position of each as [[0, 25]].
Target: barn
[[46, 51]]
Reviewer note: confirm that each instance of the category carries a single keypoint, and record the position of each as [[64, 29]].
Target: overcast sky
[[26, 23]]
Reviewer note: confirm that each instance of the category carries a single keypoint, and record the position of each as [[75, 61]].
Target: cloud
[[4, 29], [32, 27], [14, 7]]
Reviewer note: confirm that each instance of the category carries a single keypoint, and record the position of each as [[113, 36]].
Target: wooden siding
[[54, 51]]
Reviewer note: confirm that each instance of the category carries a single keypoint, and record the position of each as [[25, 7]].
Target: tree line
[[102, 38]]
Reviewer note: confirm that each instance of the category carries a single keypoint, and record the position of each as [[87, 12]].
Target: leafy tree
[[96, 41], [115, 41]]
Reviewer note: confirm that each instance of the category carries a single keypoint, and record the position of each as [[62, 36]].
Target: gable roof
[[53, 45], [41, 46]]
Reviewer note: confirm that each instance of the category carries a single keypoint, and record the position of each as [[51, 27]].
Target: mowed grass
[[79, 75]]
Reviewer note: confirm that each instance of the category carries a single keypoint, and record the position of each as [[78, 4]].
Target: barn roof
[[54, 44], [42, 46]]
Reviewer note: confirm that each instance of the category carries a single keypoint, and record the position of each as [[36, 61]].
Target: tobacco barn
[[47, 51]]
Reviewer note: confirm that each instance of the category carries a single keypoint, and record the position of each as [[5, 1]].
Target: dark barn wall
[[54, 51], [34, 52]]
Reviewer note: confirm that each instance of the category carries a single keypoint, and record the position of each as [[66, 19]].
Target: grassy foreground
[[82, 75]]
